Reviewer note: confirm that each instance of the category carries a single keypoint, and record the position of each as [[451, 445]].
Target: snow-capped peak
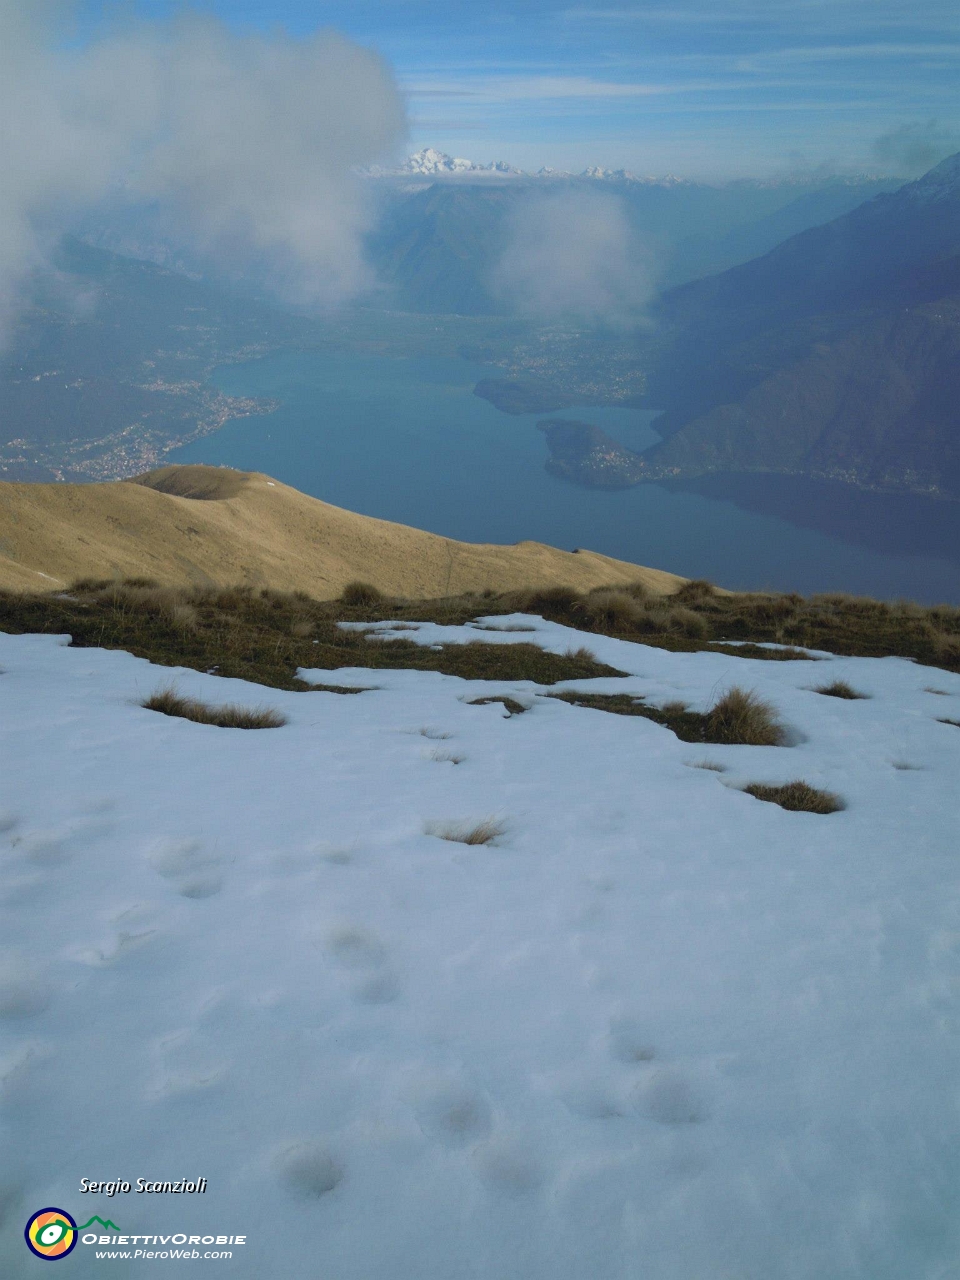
[[597, 174], [431, 163], [429, 160], [606, 175]]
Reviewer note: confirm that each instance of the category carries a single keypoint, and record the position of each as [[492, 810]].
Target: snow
[[657, 1028]]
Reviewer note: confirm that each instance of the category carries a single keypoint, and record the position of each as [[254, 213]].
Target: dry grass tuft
[[583, 654], [944, 720], [797, 796], [360, 593], [615, 610], [447, 757], [674, 708], [740, 718], [694, 591], [484, 832], [840, 689], [170, 703], [707, 764]]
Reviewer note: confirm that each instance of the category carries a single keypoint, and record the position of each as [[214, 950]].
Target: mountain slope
[[212, 526], [836, 354]]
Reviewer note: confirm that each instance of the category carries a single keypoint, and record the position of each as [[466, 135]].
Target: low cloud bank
[[575, 254], [912, 149], [243, 145]]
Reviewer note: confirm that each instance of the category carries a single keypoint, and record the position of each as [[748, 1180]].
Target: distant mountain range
[[436, 244], [837, 354], [429, 162]]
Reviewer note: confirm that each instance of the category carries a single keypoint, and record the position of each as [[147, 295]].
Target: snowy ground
[[659, 1029]]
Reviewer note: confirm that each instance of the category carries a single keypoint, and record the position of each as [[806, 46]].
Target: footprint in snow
[[118, 949], [23, 992], [669, 1097], [381, 988], [509, 1166], [630, 1042], [43, 848], [200, 886], [359, 949], [309, 1170], [451, 1111], [172, 858], [590, 1099], [356, 948], [187, 1064]]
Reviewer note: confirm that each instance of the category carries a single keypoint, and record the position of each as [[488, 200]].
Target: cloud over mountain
[[574, 253], [242, 144]]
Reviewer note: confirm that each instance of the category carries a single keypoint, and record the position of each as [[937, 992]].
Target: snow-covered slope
[[658, 1028]]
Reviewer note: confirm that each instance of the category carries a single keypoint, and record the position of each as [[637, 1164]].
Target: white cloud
[[574, 253], [244, 143]]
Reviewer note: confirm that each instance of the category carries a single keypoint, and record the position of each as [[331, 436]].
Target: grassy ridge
[[264, 636]]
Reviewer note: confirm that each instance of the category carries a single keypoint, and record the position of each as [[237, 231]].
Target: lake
[[405, 439]]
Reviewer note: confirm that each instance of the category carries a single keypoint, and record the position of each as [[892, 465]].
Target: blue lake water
[[406, 440]]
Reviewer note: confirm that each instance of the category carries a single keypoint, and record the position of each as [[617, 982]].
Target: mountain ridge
[[211, 526], [836, 354]]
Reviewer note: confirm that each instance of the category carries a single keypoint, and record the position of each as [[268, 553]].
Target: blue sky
[[711, 88]]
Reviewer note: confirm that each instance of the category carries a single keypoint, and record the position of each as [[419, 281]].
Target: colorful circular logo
[[51, 1234]]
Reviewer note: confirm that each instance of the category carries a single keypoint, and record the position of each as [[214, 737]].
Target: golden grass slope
[[198, 525]]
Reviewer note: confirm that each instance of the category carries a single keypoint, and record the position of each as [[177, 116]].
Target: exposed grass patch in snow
[[839, 689], [342, 688], [581, 654], [944, 720], [447, 757], [739, 718], [620, 704], [511, 705], [785, 654], [510, 628], [267, 636], [170, 703], [483, 832], [707, 764], [798, 796]]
